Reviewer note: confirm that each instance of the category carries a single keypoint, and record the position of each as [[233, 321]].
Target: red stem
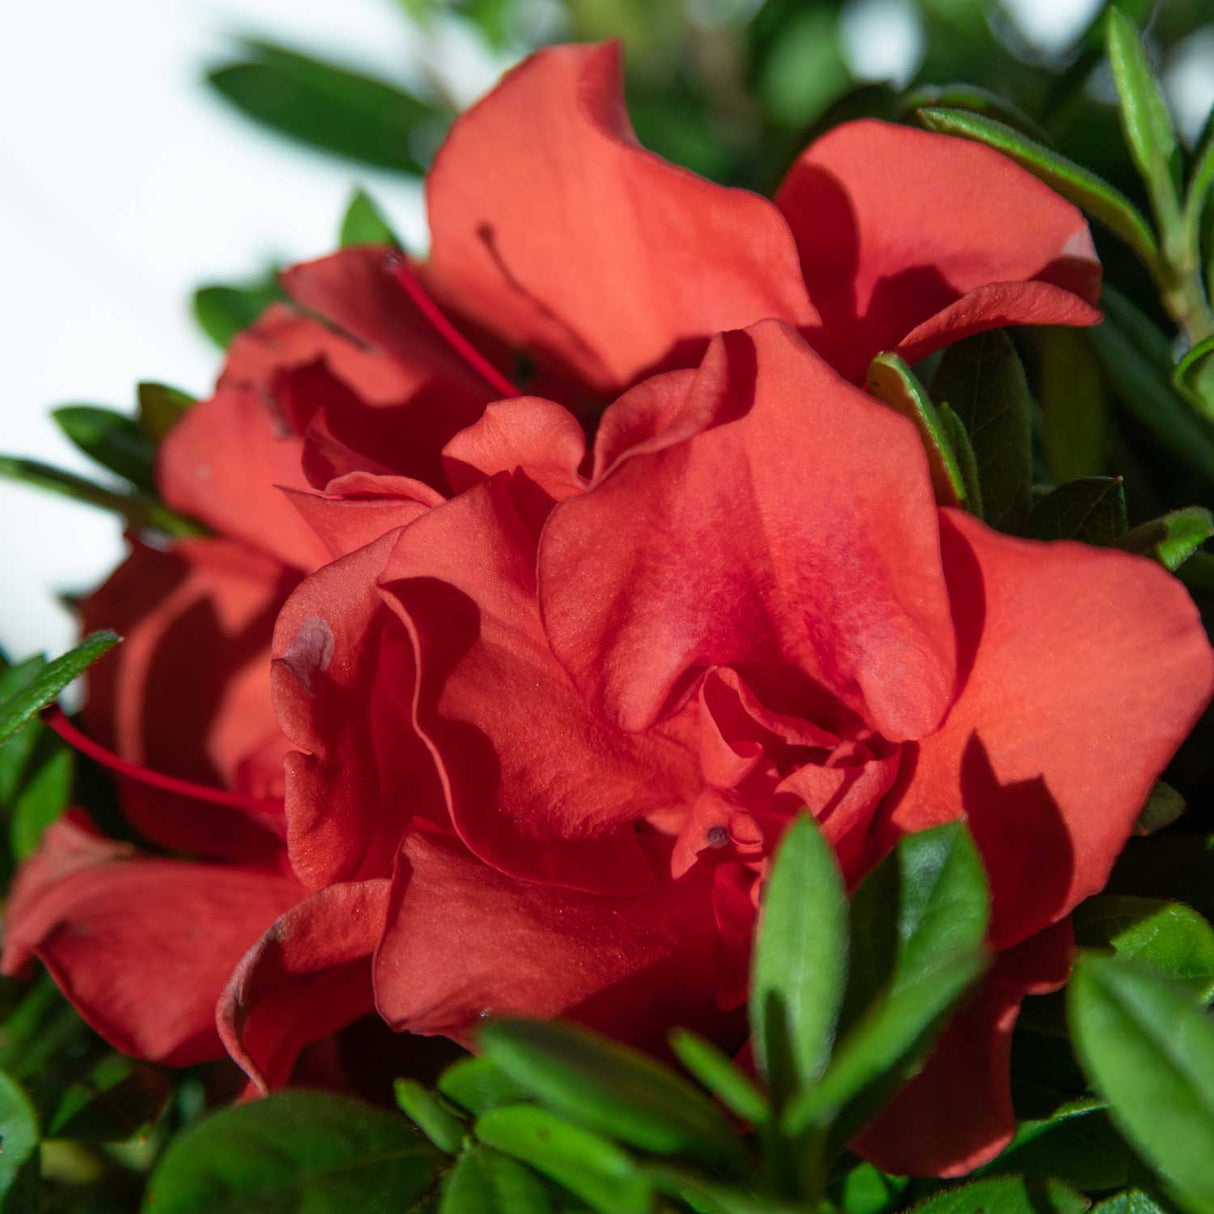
[[398, 266], [54, 717]]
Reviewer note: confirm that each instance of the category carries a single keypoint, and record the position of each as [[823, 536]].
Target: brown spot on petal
[[310, 651]]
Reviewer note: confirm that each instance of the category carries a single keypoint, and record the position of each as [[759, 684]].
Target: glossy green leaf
[[1194, 376], [976, 100], [1148, 1048], [717, 1072], [799, 968], [45, 794], [294, 1152], [1075, 183], [1091, 510], [140, 512], [115, 1100], [325, 106], [589, 1166], [1173, 538], [1144, 113], [161, 408], [26, 703], [364, 223], [893, 383], [967, 461], [1164, 806], [610, 1088], [427, 1111], [1167, 936], [1005, 1195], [982, 381], [484, 1181], [1074, 404], [19, 1151], [222, 311], [16, 754], [112, 439], [926, 902], [478, 1085]]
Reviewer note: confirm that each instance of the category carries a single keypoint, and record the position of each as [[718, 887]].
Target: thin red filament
[[54, 717], [398, 267]]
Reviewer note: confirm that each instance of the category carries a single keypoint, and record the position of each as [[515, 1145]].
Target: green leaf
[[1091, 510], [893, 383], [926, 902], [223, 311], [1200, 182], [478, 1085], [1005, 1195], [364, 223], [1136, 357], [882, 1051], [596, 1170], [26, 703], [1144, 113], [112, 439], [295, 1152], [484, 1181], [1077, 1145], [967, 461], [982, 381], [161, 408], [709, 1196], [717, 1072], [19, 1154], [803, 71], [1173, 538], [1194, 376], [1167, 936], [1164, 806], [1131, 1201], [427, 1112], [139, 511], [800, 962], [975, 100], [117, 1099], [1149, 1050], [326, 106], [42, 799], [17, 752], [1074, 404], [863, 1189], [1075, 183], [610, 1088]]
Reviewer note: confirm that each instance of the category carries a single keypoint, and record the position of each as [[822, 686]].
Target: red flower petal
[[553, 228], [188, 691], [536, 785], [957, 1114], [795, 535], [308, 976], [464, 941], [1078, 662], [141, 947], [894, 225]]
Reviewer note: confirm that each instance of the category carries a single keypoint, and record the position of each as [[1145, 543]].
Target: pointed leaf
[[17, 752], [20, 1165], [364, 223], [1075, 183], [982, 381], [44, 796], [596, 1170], [484, 1180], [427, 1112], [1164, 806], [800, 962], [26, 703], [610, 1088], [295, 1152], [112, 439], [161, 408], [1091, 510], [222, 311], [976, 100], [1149, 1050], [717, 1072]]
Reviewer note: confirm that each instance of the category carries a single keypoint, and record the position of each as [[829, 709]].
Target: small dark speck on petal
[[718, 836], [310, 651]]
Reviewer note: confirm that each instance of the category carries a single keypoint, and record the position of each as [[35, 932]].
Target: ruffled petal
[[957, 1113], [555, 230], [894, 225], [793, 535], [308, 976], [188, 692], [1077, 662], [535, 784], [141, 947], [465, 941]]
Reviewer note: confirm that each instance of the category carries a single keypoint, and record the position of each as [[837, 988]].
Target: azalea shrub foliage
[[677, 700]]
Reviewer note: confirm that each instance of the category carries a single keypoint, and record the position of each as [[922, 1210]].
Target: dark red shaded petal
[[141, 947], [894, 225], [188, 691], [343, 683], [794, 537], [555, 230], [308, 976], [1078, 662], [957, 1114], [465, 941], [536, 785]]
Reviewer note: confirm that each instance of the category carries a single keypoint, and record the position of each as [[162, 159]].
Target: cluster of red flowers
[[510, 691]]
